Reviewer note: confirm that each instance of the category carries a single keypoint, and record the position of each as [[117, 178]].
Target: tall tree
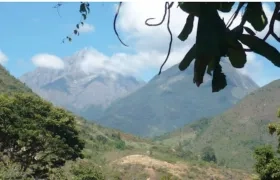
[[36, 134]]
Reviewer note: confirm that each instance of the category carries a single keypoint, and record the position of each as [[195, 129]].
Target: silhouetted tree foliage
[[36, 135], [267, 160], [215, 39]]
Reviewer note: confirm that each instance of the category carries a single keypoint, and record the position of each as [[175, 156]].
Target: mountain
[[235, 133], [171, 100], [117, 155], [78, 90]]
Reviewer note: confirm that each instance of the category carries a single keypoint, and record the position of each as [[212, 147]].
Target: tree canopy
[[214, 38], [267, 161], [36, 135]]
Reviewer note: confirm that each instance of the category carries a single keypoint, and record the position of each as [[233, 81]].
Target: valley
[[139, 142], [111, 99], [140, 91], [235, 133], [113, 154]]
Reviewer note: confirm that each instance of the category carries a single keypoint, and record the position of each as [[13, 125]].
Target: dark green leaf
[[261, 47], [225, 6], [211, 67], [82, 23], [198, 74], [83, 8], [236, 32], [255, 15], [88, 9], [278, 17], [77, 26], [236, 53], [232, 39], [209, 29], [190, 7], [84, 16], [200, 65], [249, 31], [237, 57], [189, 57], [219, 81], [187, 28], [75, 31]]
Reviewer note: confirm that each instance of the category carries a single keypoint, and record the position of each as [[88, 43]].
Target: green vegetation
[[267, 161], [234, 134], [9, 84], [38, 140], [208, 154], [35, 135]]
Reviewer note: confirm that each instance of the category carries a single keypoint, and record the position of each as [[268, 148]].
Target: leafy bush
[[208, 154], [86, 170], [267, 161], [120, 144]]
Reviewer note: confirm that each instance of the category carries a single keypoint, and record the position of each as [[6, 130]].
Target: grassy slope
[[235, 133], [106, 148], [8, 83], [143, 158]]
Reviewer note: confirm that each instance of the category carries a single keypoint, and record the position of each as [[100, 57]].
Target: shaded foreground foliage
[[214, 38], [36, 135], [268, 161]]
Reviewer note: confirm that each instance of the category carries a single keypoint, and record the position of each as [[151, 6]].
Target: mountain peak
[[80, 85]]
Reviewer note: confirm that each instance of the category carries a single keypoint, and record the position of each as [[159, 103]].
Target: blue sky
[[30, 29]]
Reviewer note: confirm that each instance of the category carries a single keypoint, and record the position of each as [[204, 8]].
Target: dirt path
[[152, 164], [181, 170]]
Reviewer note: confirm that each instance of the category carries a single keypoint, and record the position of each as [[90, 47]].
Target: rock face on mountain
[[76, 90], [171, 100]]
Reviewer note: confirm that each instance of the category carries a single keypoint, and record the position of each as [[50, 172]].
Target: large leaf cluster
[[215, 40], [36, 134]]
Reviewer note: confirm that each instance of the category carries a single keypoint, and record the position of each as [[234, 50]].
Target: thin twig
[[271, 24], [57, 6], [115, 20]]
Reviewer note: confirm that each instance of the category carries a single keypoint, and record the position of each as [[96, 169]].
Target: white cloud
[[47, 61], [3, 58], [133, 64], [86, 28]]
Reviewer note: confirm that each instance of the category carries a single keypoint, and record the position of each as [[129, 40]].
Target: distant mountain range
[[171, 100], [76, 90], [165, 103]]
